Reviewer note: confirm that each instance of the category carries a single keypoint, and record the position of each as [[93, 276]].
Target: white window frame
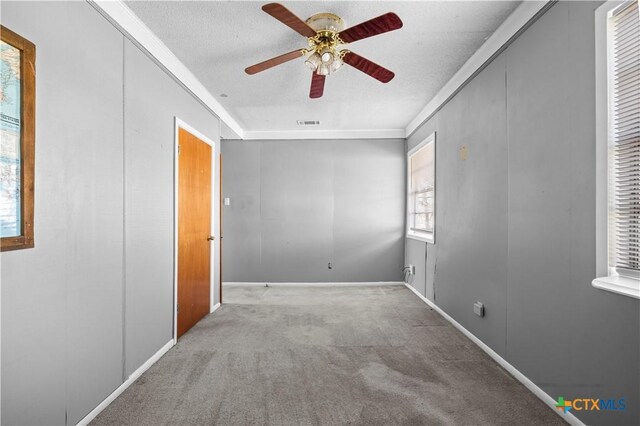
[[607, 278], [424, 236]]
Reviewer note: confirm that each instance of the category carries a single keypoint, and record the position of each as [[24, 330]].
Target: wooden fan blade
[[287, 17], [317, 85], [366, 66], [383, 23], [270, 63]]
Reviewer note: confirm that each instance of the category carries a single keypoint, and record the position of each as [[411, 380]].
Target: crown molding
[[515, 23], [134, 29], [324, 134]]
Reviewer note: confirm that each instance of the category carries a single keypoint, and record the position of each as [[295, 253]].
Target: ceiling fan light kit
[[325, 33], [313, 60]]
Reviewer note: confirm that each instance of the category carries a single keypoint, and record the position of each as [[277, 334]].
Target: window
[[17, 140], [421, 199], [618, 156]]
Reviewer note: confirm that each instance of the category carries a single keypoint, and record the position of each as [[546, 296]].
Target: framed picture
[[17, 140]]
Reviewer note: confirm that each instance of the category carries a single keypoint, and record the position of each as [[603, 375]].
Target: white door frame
[[180, 124]]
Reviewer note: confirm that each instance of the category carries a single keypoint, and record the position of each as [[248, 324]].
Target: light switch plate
[[464, 152]]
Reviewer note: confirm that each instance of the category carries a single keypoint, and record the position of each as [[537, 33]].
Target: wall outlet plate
[[478, 309]]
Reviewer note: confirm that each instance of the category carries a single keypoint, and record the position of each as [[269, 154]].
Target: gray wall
[[516, 220], [94, 299], [152, 99], [297, 205]]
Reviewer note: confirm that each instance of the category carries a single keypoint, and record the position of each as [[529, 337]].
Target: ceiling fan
[[325, 33]]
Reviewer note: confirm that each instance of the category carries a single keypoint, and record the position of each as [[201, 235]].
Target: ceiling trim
[[325, 134], [122, 17], [511, 27]]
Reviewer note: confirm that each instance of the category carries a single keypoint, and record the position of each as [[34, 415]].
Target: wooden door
[[194, 230]]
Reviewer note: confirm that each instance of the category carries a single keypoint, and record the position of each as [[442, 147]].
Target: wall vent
[[307, 122]]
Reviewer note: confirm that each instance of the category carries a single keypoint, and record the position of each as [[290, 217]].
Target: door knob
[[211, 238]]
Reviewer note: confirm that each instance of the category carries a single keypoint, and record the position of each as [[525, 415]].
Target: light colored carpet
[[326, 356]]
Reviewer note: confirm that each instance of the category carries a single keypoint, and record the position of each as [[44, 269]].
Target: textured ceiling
[[217, 40]]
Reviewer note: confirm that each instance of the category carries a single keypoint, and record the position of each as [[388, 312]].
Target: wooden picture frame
[[25, 126]]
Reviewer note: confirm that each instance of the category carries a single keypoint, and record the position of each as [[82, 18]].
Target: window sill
[[426, 238], [621, 285]]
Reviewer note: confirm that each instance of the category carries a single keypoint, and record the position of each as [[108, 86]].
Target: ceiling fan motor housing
[[326, 22], [322, 56]]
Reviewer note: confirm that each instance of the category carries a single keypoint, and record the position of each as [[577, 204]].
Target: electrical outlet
[[411, 269], [478, 309], [329, 265]]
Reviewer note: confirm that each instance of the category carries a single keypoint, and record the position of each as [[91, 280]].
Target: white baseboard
[[132, 378], [542, 395], [326, 284]]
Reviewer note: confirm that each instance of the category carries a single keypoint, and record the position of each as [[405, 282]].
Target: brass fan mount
[[326, 21], [323, 56], [327, 27]]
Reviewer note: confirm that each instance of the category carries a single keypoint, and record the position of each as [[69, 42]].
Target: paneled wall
[[94, 299], [516, 219], [298, 205], [152, 99]]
